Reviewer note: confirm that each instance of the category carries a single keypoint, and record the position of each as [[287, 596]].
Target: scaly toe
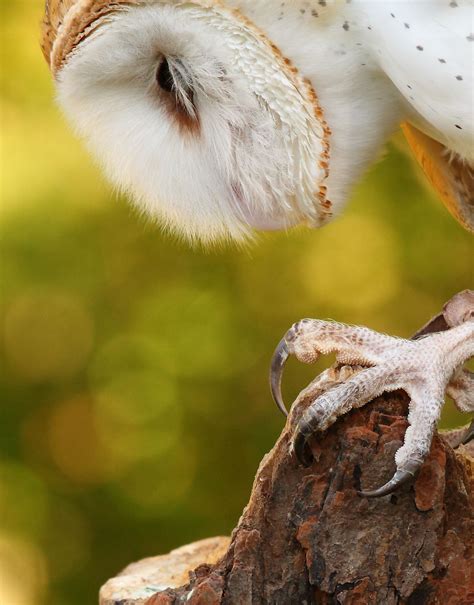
[[301, 449]]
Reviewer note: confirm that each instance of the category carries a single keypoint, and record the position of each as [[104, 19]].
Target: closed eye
[[164, 76], [175, 84]]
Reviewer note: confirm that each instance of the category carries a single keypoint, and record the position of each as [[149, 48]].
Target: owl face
[[192, 110]]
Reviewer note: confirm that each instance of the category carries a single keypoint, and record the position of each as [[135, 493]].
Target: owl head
[[193, 111]]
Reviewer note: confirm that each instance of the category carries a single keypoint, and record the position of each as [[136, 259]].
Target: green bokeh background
[[135, 406]]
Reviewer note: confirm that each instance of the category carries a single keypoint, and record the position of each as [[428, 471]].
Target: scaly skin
[[425, 368]]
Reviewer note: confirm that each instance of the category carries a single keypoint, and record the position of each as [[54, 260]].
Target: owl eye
[[175, 83], [164, 76]]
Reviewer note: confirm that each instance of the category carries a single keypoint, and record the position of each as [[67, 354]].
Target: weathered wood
[[151, 576], [306, 536]]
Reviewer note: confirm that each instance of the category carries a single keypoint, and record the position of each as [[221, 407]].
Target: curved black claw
[[301, 448], [279, 358], [400, 477]]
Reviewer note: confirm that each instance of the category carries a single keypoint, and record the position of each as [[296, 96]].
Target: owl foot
[[426, 368]]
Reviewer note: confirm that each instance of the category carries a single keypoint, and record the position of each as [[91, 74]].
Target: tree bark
[[306, 536]]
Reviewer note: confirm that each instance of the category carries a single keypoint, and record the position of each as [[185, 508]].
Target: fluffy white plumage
[[247, 148], [236, 143]]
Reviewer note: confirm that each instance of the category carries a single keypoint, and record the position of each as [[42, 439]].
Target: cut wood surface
[[306, 536]]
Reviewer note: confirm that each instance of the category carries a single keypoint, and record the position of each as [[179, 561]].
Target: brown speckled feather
[[67, 22]]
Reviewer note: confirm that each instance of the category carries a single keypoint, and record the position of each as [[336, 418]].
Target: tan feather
[[67, 22], [452, 177]]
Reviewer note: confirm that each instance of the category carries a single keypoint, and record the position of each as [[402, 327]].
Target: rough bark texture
[[306, 536]]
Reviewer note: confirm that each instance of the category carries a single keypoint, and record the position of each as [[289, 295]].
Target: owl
[[222, 118]]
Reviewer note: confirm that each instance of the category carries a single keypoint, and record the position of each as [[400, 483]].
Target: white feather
[[257, 158]]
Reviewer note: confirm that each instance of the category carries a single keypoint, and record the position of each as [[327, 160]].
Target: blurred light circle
[[151, 487], [74, 444], [125, 353], [138, 415], [138, 398], [68, 540], [48, 335], [22, 572], [34, 437], [194, 331], [352, 265], [23, 500], [269, 275]]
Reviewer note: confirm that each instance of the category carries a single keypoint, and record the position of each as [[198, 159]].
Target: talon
[[388, 365], [279, 358], [302, 450], [469, 434], [400, 477]]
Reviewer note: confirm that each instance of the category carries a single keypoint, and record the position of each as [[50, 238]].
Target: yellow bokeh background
[[134, 397]]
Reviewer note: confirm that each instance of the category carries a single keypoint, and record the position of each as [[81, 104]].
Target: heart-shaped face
[[194, 111]]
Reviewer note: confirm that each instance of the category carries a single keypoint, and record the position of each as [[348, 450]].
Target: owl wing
[[450, 176], [426, 49]]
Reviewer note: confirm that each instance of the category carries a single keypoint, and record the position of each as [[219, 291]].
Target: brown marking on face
[[176, 95], [187, 124]]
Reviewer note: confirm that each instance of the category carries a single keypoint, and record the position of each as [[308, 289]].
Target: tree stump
[[306, 536]]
